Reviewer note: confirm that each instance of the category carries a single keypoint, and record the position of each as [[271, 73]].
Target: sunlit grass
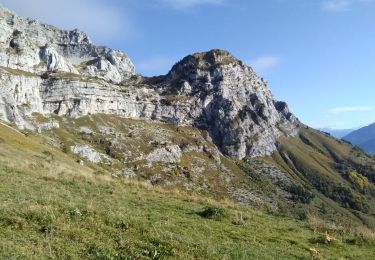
[[52, 207]]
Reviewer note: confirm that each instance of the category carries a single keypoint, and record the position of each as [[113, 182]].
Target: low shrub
[[300, 194], [359, 181], [213, 212]]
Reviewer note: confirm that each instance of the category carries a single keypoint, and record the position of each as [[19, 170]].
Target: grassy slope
[[130, 140], [51, 207], [322, 163], [311, 162]]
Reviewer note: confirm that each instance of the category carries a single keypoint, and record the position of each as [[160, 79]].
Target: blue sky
[[318, 55]]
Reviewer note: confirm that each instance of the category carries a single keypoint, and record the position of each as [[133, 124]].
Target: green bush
[[300, 194], [213, 212]]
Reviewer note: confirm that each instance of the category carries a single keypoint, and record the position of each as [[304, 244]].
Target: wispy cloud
[[342, 5], [97, 18], [336, 5], [155, 66], [183, 4], [340, 110], [264, 62]]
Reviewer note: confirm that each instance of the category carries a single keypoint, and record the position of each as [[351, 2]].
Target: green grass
[[323, 164], [52, 207], [309, 160], [141, 138], [18, 72]]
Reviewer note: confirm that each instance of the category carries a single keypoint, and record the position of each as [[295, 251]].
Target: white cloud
[[342, 5], [336, 5], [97, 18], [183, 4], [264, 62], [340, 110], [155, 66]]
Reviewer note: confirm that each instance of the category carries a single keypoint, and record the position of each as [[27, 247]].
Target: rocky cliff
[[49, 71], [31, 46]]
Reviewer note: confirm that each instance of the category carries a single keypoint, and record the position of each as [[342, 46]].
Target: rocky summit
[[50, 71], [234, 104]]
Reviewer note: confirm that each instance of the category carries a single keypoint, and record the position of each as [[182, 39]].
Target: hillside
[[92, 152], [363, 138], [369, 146], [309, 172], [71, 211]]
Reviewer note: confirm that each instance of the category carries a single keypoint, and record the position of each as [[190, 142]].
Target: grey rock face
[[87, 152], [48, 126], [85, 130], [171, 153], [29, 45], [126, 173], [234, 104], [49, 71], [54, 61]]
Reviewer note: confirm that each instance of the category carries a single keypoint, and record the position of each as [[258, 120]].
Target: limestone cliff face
[[235, 105], [31, 46], [46, 70]]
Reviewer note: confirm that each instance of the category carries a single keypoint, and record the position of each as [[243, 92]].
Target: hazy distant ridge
[[364, 138]]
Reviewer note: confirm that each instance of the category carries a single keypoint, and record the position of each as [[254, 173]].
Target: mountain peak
[[29, 45], [215, 56], [206, 60], [67, 75]]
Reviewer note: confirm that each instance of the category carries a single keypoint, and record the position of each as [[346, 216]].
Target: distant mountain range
[[338, 133], [363, 138]]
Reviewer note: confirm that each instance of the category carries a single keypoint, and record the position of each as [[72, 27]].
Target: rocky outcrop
[[48, 126], [171, 154], [49, 71], [54, 61], [88, 153], [31, 46], [232, 103]]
